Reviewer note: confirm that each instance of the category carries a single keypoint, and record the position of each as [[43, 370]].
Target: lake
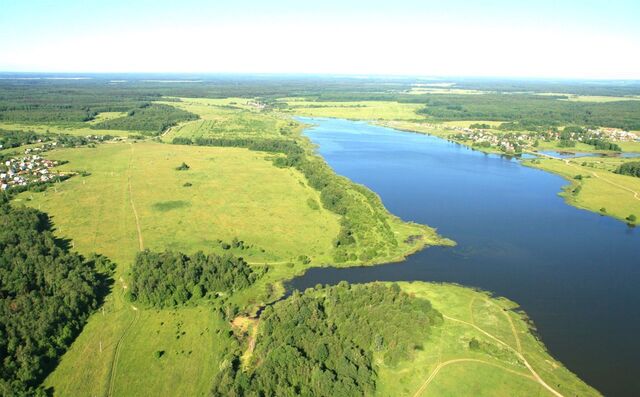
[[575, 273]]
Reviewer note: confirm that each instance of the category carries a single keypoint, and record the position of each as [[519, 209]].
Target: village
[[515, 142], [27, 170]]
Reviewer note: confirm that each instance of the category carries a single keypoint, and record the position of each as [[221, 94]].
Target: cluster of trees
[[149, 118], [631, 168], [171, 278], [46, 296], [323, 342], [601, 144], [363, 220], [11, 139]]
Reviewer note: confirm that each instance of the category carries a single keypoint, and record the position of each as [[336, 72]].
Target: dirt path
[[133, 207], [517, 353], [118, 349], [636, 195], [464, 360]]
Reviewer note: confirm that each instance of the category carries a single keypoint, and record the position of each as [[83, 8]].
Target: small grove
[[324, 342], [171, 278], [631, 168]]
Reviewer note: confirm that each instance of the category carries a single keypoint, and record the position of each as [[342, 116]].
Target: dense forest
[[170, 278], [46, 296], [631, 168], [326, 342]]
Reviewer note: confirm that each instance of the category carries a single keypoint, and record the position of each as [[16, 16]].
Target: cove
[[575, 273]]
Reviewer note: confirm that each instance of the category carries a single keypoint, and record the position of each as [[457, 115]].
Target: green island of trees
[[631, 168], [46, 296], [323, 342], [171, 278]]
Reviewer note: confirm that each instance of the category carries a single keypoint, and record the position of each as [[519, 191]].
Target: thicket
[[323, 342], [46, 296], [631, 168], [171, 278]]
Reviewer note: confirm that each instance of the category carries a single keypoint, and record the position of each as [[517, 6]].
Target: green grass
[[234, 192], [599, 186], [496, 369], [231, 117], [361, 110]]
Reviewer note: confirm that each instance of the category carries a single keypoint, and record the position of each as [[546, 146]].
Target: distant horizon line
[[84, 75]]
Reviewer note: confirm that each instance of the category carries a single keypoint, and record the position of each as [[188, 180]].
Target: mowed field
[[135, 198], [507, 361]]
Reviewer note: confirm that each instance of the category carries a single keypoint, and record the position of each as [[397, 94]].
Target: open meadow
[[483, 348], [135, 198]]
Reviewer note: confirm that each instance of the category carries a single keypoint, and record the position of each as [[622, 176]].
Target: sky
[[582, 39]]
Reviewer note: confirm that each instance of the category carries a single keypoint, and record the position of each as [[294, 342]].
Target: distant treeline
[[530, 112], [46, 296], [631, 168], [322, 342], [148, 118], [171, 278], [362, 213]]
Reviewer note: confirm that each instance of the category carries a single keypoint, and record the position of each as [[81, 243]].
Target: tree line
[[322, 342]]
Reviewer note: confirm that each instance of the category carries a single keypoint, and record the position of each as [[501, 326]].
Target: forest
[[325, 342], [46, 296], [170, 279]]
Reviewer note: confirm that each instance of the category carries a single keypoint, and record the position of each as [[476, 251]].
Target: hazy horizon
[[496, 39]]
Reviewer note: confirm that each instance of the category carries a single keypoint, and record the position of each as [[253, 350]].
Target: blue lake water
[[576, 273]]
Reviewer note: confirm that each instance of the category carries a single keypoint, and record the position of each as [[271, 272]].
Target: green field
[[599, 188], [227, 118], [447, 366], [360, 110], [234, 193], [135, 198]]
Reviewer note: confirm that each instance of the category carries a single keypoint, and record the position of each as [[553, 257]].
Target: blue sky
[[572, 39]]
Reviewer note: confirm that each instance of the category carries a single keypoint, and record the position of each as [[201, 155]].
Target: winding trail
[[437, 369], [517, 353], [133, 206]]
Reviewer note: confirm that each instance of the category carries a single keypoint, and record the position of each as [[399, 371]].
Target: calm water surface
[[576, 274]]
